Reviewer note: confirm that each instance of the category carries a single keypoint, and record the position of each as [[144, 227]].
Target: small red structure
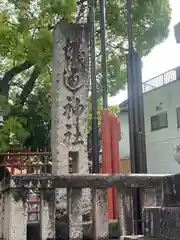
[[110, 155]]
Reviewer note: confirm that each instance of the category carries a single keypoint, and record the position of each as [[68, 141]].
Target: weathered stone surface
[[47, 219], [17, 225], [138, 237], [70, 88], [150, 197], [6, 217], [162, 222], [69, 100], [167, 194], [100, 214], [1, 212], [125, 205], [84, 180], [171, 191], [75, 213]]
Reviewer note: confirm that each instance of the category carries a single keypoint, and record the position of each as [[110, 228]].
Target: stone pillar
[[100, 214], [162, 222], [70, 89], [75, 214], [125, 211], [17, 222], [47, 215], [6, 214], [1, 211]]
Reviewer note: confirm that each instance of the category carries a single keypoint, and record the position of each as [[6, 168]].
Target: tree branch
[[80, 2], [28, 87], [8, 76], [80, 12]]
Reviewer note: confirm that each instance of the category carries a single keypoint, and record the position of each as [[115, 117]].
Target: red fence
[[28, 162]]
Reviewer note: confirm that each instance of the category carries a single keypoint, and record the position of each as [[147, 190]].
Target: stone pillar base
[[17, 214], [138, 237], [162, 222]]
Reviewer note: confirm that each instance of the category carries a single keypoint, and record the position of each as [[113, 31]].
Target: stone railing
[[160, 197]]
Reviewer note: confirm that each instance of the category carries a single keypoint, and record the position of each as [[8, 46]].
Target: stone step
[[161, 222], [137, 237]]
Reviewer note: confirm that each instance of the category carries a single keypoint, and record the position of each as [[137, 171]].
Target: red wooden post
[[106, 155], [115, 136]]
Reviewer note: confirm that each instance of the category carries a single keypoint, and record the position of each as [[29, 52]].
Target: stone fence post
[[14, 212]]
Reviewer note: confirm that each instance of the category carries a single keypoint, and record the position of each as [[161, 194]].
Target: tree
[[25, 49]]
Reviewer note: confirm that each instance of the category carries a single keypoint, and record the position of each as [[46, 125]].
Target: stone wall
[[161, 220]]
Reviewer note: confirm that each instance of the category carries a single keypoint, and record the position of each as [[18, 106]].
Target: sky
[[162, 58]]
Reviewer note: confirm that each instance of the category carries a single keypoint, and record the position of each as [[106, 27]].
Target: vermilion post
[[115, 136], [106, 154]]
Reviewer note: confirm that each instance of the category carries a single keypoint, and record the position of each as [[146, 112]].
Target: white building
[[162, 123]]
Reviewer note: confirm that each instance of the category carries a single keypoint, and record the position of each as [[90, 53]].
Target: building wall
[[125, 165], [160, 144], [124, 142]]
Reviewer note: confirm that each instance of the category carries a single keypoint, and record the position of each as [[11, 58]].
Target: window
[[178, 116], [159, 121]]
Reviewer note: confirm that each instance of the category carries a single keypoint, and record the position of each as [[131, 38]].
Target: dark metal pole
[[137, 146], [140, 114], [95, 135], [136, 118], [130, 86], [133, 145], [135, 100], [136, 109], [103, 53]]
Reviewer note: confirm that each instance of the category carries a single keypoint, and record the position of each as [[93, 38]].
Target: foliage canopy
[[25, 54]]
